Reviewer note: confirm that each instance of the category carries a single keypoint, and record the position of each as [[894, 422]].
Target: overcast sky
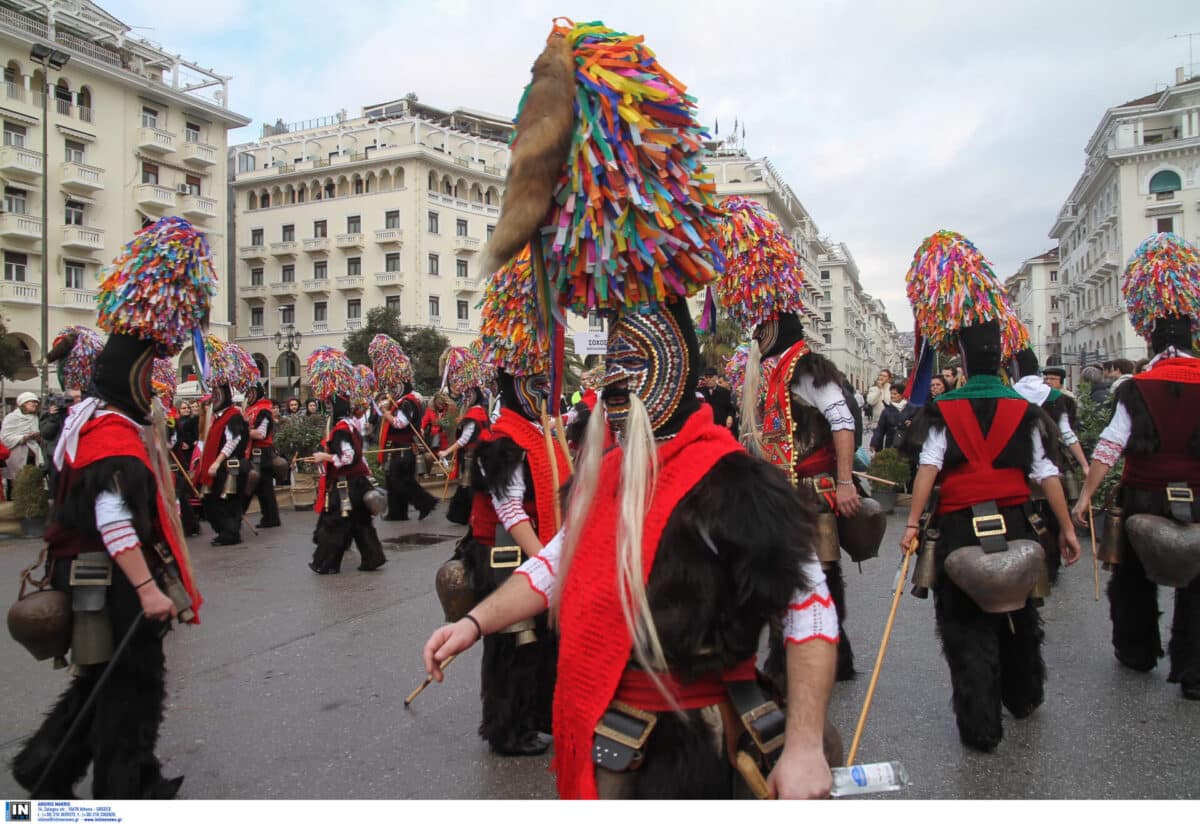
[[889, 120]]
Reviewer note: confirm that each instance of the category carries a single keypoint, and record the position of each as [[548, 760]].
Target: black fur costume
[[265, 489], [224, 515], [516, 682], [1133, 599], [402, 485], [459, 509], [334, 533], [187, 432]]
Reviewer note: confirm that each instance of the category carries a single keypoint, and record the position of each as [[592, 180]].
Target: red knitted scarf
[[595, 644], [111, 436], [212, 444], [527, 436], [253, 414], [1176, 370]]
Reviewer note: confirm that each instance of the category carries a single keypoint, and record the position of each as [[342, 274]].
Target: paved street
[[293, 688]]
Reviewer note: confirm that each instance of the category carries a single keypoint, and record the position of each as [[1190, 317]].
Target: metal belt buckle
[[647, 719], [343, 484], [256, 452], [505, 557], [91, 573], [748, 719], [233, 465], [1180, 495], [979, 526], [824, 483]]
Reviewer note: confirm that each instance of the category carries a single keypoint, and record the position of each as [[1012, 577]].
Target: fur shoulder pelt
[[819, 368], [539, 153], [126, 475], [1143, 437], [499, 460]]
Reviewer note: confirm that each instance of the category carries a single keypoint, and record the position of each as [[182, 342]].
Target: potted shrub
[[298, 437], [889, 465], [31, 501]]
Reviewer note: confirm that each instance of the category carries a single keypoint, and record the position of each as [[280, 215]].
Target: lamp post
[[48, 59], [289, 342]]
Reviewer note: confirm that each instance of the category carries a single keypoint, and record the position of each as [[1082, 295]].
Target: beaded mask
[[648, 355]]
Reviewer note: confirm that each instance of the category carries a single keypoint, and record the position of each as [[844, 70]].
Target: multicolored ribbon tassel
[[331, 373], [393, 368], [513, 332], [75, 371], [763, 276], [1162, 279]]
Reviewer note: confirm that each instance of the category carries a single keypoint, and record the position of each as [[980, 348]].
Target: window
[[433, 223], [1053, 304], [14, 135], [460, 228], [320, 229], [391, 262], [74, 151], [358, 186], [595, 322], [353, 266], [245, 163], [828, 339], [289, 233], [150, 173], [256, 237], [149, 117], [354, 309], [1165, 184], [1054, 276], [435, 307], [392, 303], [828, 317], [288, 273], [433, 264], [391, 220], [256, 276], [73, 274], [193, 184], [1054, 330], [191, 133], [287, 313], [74, 213], [320, 312], [460, 267], [1165, 224], [14, 266], [464, 310], [256, 316], [353, 224], [321, 269], [491, 230], [15, 200], [825, 274]]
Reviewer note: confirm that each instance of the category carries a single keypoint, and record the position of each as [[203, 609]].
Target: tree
[[11, 355], [380, 320], [422, 344], [719, 344]]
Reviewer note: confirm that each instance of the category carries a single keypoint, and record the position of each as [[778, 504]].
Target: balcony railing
[[20, 292], [350, 282], [252, 290], [201, 207], [77, 177], [284, 247], [320, 326], [252, 252], [199, 154], [83, 237], [17, 161], [258, 332], [284, 287], [316, 285], [435, 321], [353, 324], [80, 299], [14, 91], [386, 279], [18, 226], [153, 196], [314, 245], [389, 236], [462, 243], [351, 240], [151, 139]]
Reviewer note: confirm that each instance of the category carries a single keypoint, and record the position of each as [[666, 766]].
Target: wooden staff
[[873, 479], [883, 645], [428, 680], [417, 433], [1095, 552], [560, 433], [196, 492]]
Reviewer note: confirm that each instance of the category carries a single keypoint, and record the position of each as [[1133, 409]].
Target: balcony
[[253, 252], [388, 280], [20, 163], [83, 238], [435, 321], [258, 331], [320, 327], [389, 237], [353, 324], [317, 286], [285, 248], [150, 139], [195, 206], [350, 282], [462, 243], [83, 300], [153, 197], [466, 286], [351, 240], [284, 287], [19, 291], [199, 154], [316, 245], [16, 226], [464, 325], [253, 291], [76, 177]]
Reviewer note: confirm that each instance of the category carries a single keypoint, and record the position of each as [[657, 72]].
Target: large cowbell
[[997, 581], [862, 534], [1169, 550], [455, 589]]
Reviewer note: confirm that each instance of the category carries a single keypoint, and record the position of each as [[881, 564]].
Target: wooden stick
[[883, 645], [560, 433], [873, 479], [196, 492], [1095, 552], [428, 680], [417, 432], [753, 777]]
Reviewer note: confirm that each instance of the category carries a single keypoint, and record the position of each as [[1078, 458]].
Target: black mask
[[222, 397], [980, 348], [1173, 330], [779, 334], [526, 395], [123, 372], [1024, 364]]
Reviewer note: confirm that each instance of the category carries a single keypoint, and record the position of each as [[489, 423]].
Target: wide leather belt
[[989, 527], [1179, 501], [761, 717], [620, 738]]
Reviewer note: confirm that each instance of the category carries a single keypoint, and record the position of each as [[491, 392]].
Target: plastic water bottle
[[883, 777]]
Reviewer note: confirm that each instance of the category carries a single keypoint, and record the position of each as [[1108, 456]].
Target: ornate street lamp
[[289, 342]]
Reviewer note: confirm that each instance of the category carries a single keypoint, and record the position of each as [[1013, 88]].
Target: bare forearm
[[514, 601], [843, 446], [133, 566], [1079, 456], [1052, 489], [526, 538], [1095, 477], [922, 489], [810, 669]]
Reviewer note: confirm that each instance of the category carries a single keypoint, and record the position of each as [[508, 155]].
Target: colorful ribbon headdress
[[512, 334], [330, 373], [75, 349], [763, 276], [460, 370], [1162, 279], [163, 377], [393, 368], [229, 364]]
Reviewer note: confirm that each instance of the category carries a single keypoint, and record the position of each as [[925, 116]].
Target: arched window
[[84, 99], [264, 368], [264, 200], [1165, 181], [252, 201], [12, 74], [447, 186], [399, 178], [433, 181]]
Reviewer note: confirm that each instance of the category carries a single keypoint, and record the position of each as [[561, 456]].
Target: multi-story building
[[1034, 294], [338, 216], [133, 133], [1142, 175]]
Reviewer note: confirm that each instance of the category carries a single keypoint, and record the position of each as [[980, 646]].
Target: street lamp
[[288, 342], [48, 59]]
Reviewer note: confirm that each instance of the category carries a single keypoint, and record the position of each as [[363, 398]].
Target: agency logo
[[18, 811]]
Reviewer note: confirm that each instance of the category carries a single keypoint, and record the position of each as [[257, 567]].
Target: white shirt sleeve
[[542, 569], [230, 443], [468, 431], [828, 398], [115, 523], [1042, 467], [399, 419], [510, 506], [1068, 434], [1119, 428], [933, 451], [345, 455], [811, 614]]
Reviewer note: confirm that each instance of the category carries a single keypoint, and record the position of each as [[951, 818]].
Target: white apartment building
[[1034, 294], [338, 216], [1142, 175], [133, 133]]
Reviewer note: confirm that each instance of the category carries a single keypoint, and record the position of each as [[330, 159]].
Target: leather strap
[[761, 717], [989, 527]]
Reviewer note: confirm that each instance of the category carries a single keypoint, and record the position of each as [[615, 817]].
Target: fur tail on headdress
[[539, 154]]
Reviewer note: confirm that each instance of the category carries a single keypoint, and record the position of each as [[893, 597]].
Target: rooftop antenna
[[1191, 61]]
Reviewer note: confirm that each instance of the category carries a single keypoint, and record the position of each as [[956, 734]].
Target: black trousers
[[403, 489], [187, 514], [265, 490], [334, 533], [224, 515], [120, 731], [993, 662]]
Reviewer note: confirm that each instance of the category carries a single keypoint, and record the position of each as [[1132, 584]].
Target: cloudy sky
[[889, 119]]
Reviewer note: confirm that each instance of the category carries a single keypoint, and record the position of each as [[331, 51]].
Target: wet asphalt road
[[293, 687]]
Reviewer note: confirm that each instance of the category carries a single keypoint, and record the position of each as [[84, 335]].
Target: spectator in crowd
[[293, 407], [876, 399], [20, 434], [312, 408], [893, 425], [718, 397], [1092, 376], [1141, 366], [1116, 372], [937, 386]]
